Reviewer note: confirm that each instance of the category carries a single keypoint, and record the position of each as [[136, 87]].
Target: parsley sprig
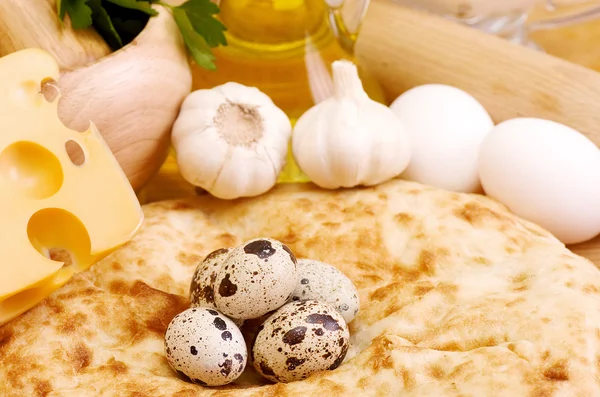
[[120, 21]]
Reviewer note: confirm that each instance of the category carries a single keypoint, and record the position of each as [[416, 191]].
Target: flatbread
[[458, 298]]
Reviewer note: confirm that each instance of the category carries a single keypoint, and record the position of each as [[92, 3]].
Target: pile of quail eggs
[[303, 308]]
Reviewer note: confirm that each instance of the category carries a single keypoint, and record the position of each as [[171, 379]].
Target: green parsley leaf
[[129, 29], [196, 44], [201, 16], [78, 11], [120, 21], [143, 6], [61, 10], [104, 24]]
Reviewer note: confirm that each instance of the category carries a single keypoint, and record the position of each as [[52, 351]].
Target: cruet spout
[[346, 19]]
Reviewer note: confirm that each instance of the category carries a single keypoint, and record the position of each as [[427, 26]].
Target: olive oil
[[285, 48]]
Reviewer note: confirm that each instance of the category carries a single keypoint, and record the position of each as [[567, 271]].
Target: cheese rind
[[48, 201]]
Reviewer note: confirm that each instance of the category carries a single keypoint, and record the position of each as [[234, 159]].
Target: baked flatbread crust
[[458, 298]]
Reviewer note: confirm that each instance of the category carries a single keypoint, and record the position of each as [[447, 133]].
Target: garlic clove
[[256, 177], [196, 110], [350, 140], [201, 157], [249, 135]]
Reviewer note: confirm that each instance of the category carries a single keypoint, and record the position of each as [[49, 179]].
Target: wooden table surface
[[579, 44]]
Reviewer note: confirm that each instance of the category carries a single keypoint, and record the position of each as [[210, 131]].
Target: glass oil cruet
[[285, 48]]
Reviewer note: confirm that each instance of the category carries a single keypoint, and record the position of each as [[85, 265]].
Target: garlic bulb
[[348, 139], [231, 140]]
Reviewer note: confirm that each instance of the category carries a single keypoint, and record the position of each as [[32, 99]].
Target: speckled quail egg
[[201, 287], [257, 277], [299, 339], [323, 282], [205, 346]]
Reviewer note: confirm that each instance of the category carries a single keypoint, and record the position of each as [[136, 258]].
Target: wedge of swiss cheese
[[48, 201]]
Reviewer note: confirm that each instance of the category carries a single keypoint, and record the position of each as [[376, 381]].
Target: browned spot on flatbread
[[521, 282], [378, 362], [423, 288], [303, 203], [590, 289], [447, 289], [393, 308], [183, 393], [482, 260], [403, 218], [516, 302], [520, 278], [380, 357], [332, 206], [333, 388], [408, 379], [363, 383], [542, 390], [41, 388], [383, 292], [558, 371], [188, 259], [427, 262], [360, 209], [115, 367], [461, 370], [116, 266], [118, 287], [475, 343], [73, 323], [159, 307], [80, 356], [435, 371], [476, 214], [227, 240]]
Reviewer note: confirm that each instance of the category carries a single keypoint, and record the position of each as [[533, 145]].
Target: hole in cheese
[[61, 255], [75, 152], [49, 89], [60, 235], [31, 169]]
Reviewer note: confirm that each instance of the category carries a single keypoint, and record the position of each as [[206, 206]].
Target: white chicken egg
[[446, 126], [545, 172], [205, 346]]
